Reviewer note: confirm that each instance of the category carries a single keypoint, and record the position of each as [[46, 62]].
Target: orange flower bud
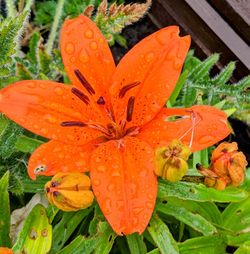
[[228, 166], [4, 250], [171, 161], [69, 191]]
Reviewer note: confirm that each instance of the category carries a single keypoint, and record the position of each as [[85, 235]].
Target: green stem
[[11, 10], [56, 22], [28, 5]]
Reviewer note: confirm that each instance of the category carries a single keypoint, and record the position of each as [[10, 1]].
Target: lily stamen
[[130, 108], [84, 82], [80, 95]]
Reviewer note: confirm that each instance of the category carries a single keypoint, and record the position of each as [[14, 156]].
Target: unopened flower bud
[[171, 161], [69, 191], [228, 166]]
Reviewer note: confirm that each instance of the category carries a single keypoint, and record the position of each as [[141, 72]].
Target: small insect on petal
[[171, 161], [69, 191]]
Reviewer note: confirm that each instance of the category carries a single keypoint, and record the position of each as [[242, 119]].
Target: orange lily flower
[[111, 119]]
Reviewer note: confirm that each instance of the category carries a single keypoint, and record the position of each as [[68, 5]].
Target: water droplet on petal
[[137, 210], [107, 206], [70, 137], [111, 187], [97, 193], [31, 85], [149, 57], [101, 168], [44, 131], [61, 155], [89, 34], [115, 173], [206, 139], [42, 86], [70, 48], [135, 221], [101, 40], [84, 58], [149, 204], [58, 91], [96, 182], [72, 59], [93, 45], [150, 196]]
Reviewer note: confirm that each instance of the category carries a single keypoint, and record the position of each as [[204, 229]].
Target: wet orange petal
[[84, 48], [41, 106], [53, 157], [124, 183], [155, 63], [200, 126]]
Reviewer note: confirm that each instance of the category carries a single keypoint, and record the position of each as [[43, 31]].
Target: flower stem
[[55, 25], [28, 5]]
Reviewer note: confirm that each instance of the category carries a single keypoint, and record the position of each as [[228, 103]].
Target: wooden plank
[[236, 14], [204, 40], [222, 30]]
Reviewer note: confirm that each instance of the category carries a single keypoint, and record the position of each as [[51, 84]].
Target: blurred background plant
[[189, 217]]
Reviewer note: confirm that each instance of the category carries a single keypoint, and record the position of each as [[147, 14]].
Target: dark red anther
[[73, 123], [124, 89], [54, 184], [130, 108], [56, 193], [84, 82], [101, 101], [80, 95]]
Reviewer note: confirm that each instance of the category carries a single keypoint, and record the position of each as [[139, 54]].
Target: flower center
[[112, 130]]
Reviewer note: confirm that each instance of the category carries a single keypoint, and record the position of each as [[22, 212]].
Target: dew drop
[[61, 155], [206, 139], [42, 86], [97, 193], [101, 168], [111, 187], [107, 206], [120, 204], [70, 137], [96, 182], [137, 210], [44, 131], [89, 34], [101, 40], [149, 57], [149, 204], [84, 58], [93, 45], [135, 221], [58, 91], [70, 48], [161, 38], [115, 173], [31, 85], [150, 196], [72, 59], [177, 64], [145, 216]]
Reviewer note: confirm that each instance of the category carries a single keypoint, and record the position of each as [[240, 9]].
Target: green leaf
[[37, 186], [181, 81], [202, 69], [26, 144], [162, 236], [36, 234], [136, 244], [203, 245], [105, 238], [225, 74], [66, 226], [4, 211], [80, 245], [243, 249], [199, 192], [190, 218]]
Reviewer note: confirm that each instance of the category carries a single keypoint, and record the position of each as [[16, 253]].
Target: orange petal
[[124, 183], [84, 48], [198, 126], [41, 106], [156, 63], [54, 157]]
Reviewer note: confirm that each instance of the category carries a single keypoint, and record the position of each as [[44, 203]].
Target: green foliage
[[36, 234], [4, 211], [10, 33], [198, 86]]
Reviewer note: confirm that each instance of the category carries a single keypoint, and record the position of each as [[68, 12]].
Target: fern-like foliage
[[10, 33], [37, 64], [111, 19], [200, 86]]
